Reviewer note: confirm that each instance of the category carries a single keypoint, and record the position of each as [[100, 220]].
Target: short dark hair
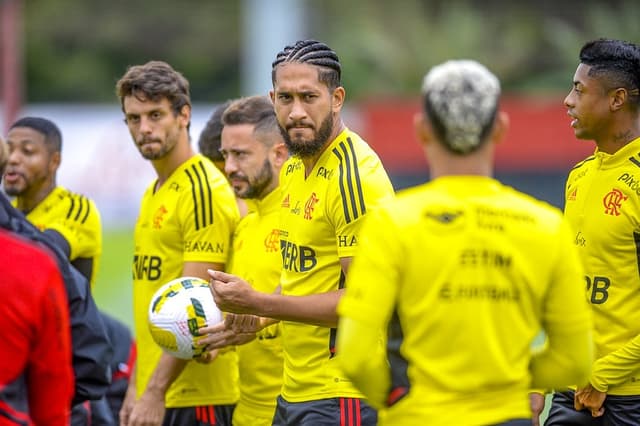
[[153, 81], [209, 140], [616, 63], [312, 52], [51, 132], [255, 110]]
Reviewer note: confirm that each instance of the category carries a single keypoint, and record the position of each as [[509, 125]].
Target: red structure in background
[[540, 137], [10, 60]]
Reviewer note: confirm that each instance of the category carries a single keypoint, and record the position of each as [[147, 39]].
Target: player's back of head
[[460, 99]]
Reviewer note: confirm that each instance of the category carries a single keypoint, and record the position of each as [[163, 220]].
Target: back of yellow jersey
[[462, 269]]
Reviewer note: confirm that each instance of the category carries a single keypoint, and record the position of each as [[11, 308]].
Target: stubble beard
[[308, 148]]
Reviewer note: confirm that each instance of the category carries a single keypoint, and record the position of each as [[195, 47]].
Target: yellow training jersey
[[320, 222], [602, 202], [77, 219], [256, 257], [464, 272], [190, 218]]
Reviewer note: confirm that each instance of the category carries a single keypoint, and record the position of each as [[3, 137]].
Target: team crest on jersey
[[285, 203], [272, 241], [613, 202], [572, 195], [310, 205], [158, 217]]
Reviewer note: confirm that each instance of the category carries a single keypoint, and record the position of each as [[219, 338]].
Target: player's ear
[[423, 129], [185, 115], [54, 162], [280, 154], [500, 127], [337, 99]]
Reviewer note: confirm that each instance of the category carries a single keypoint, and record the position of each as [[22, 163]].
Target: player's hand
[[221, 335], [208, 356], [536, 401], [231, 293], [587, 398], [148, 411], [242, 323], [127, 404]]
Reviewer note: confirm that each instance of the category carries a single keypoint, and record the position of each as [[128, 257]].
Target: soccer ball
[[176, 312]]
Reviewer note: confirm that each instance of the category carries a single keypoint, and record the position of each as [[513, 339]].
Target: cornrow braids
[[312, 52]]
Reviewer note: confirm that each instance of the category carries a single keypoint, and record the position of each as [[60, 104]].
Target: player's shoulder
[[79, 207], [23, 249], [351, 149], [581, 165], [197, 172]]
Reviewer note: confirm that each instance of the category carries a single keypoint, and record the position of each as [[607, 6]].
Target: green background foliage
[[76, 49]]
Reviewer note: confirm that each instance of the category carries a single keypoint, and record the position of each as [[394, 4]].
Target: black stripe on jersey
[[582, 163], [333, 331], [209, 196], [86, 214], [635, 161], [79, 209], [400, 384], [636, 239], [73, 203], [202, 209], [350, 184]]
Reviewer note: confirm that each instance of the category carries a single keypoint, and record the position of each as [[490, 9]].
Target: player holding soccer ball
[[184, 227], [463, 272]]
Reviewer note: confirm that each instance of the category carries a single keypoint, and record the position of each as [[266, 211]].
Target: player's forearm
[[165, 373], [361, 362], [616, 367], [566, 361], [315, 309]]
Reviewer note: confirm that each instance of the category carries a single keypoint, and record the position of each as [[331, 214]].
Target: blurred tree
[[77, 49]]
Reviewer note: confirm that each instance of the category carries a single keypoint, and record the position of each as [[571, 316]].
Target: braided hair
[[312, 52]]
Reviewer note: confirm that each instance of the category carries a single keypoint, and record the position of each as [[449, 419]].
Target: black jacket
[[92, 351]]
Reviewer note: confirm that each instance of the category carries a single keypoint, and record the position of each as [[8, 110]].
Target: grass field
[[112, 290]]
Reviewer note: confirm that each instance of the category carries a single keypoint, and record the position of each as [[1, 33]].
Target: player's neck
[[310, 162], [618, 138], [30, 200], [168, 164]]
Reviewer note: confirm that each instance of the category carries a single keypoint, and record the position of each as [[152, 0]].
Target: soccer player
[[328, 185], [463, 272], [210, 138], [602, 204], [209, 144], [254, 153], [36, 378], [184, 227], [72, 220]]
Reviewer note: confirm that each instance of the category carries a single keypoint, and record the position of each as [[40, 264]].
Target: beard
[[308, 148], [166, 146], [256, 186]]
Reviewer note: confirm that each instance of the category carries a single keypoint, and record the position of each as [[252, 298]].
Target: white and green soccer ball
[[176, 312]]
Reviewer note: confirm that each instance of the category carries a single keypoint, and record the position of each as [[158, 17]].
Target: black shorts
[[325, 412], [619, 410], [205, 415]]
